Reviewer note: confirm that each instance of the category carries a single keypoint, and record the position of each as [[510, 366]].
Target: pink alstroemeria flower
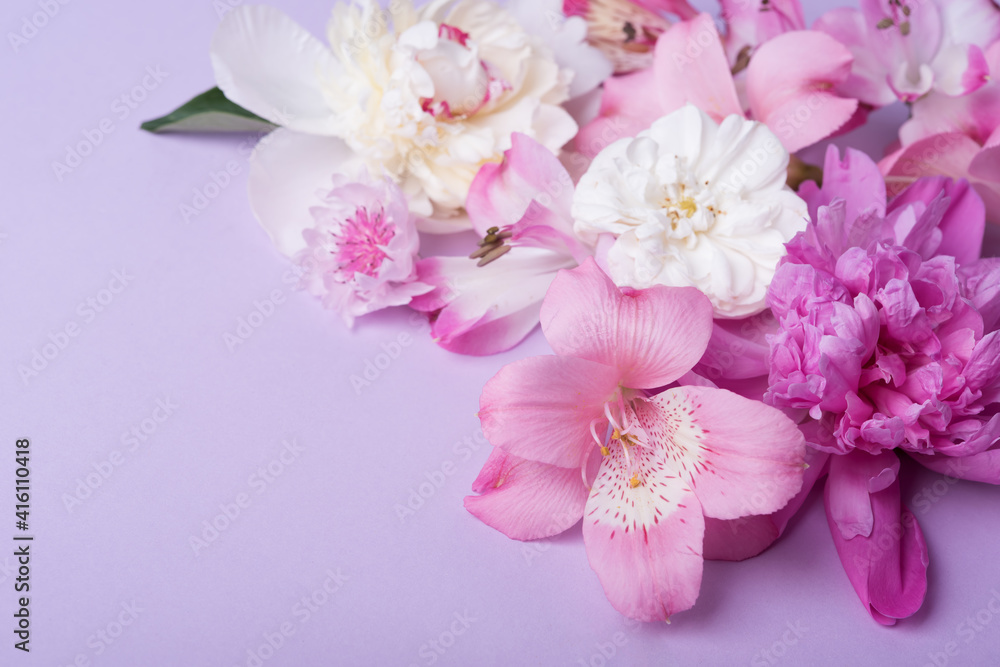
[[625, 31], [904, 49], [750, 23], [488, 302], [789, 87], [957, 137], [577, 436]]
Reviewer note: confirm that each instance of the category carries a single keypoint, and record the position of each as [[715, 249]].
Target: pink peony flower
[[577, 436], [957, 137], [488, 302], [360, 253], [904, 49], [690, 67], [887, 340]]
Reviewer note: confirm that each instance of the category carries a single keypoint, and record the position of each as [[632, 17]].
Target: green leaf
[[209, 112]]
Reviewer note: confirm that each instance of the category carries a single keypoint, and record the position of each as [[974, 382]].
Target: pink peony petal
[[691, 68], [740, 456], [526, 500], [856, 179], [650, 336], [542, 408], [883, 550], [798, 103], [964, 221], [644, 541]]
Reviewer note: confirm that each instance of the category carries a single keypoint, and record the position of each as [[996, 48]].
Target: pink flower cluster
[[640, 143], [887, 339]]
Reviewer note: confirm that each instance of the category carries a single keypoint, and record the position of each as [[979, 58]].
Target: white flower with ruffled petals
[[426, 95], [690, 202]]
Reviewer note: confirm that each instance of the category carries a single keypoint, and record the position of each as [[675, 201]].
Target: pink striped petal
[[644, 541], [541, 408], [799, 103], [526, 500], [878, 540], [651, 336], [741, 457], [691, 68]]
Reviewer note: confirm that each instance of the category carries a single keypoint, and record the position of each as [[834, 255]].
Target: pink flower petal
[[798, 102], [644, 541], [753, 22], [691, 68], [887, 565], [741, 457], [501, 193], [748, 536], [651, 336], [541, 408], [963, 223], [867, 80], [526, 500], [627, 109]]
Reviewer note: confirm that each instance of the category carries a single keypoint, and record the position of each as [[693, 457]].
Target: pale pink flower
[[577, 436], [360, 253], [904, 49], [957, 137]]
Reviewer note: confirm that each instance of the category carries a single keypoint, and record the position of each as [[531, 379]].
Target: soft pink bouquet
[[732, 326]]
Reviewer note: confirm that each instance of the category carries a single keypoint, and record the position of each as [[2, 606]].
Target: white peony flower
[[693, 203], [426, 95]]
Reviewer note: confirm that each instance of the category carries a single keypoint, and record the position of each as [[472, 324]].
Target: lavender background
[[332, 506]]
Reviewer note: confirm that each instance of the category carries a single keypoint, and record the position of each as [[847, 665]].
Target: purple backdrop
[[148, 425]]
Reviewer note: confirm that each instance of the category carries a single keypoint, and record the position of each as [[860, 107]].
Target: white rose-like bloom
[[693, 203], [426, 96]]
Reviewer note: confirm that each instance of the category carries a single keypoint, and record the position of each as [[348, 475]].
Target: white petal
[[267, 63], [287, 170]]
